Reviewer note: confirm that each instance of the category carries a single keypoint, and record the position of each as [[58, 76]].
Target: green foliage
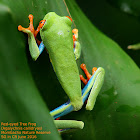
[[20, 100], [116, 114]]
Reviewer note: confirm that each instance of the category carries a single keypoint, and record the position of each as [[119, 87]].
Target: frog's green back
[[57, 37]]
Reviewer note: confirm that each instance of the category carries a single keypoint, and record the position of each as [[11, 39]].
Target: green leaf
[[116, 114], [20, 100]]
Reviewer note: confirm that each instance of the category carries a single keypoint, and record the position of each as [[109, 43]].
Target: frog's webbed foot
[[88, 75], [30, 30], [93, 84]]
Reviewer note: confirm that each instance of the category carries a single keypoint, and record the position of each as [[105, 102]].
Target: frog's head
[[51, 18]]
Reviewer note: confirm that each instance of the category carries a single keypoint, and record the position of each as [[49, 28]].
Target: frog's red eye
[[42, 22], [69, 18]]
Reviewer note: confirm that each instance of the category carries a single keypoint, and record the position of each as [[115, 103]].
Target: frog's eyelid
[[69, 18]]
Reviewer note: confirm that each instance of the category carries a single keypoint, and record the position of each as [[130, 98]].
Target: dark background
[[120, 26]]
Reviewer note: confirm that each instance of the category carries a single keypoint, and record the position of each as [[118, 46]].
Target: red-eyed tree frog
[[63, 47]]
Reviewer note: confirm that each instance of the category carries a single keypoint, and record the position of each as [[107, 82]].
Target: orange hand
[[31, 27]]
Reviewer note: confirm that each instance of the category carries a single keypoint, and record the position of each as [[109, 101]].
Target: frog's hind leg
[[65, 125], [93, 85]]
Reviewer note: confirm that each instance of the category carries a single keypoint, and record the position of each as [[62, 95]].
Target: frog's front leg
[[76, 44], [35, 51]]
